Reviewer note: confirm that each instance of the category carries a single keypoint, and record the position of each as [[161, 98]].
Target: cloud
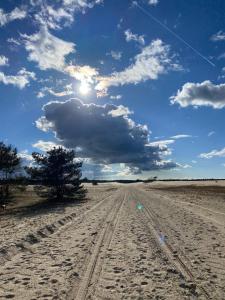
[[213, 153], [52, 18], [186, 166], [154, 60], [20, 80], [129, 36], [211, 133], [221, 56], [3, 60], [120, 111], [47, 50], [15, 14], [101, 136], [181, 136], [13, 41], [85, 74], [115, 97], [24, 155], [161, 144], [68, 90], [58, 14], [200, 94], [45, 145], [219, 36], [115, 55], [153, 2], [125, 171]]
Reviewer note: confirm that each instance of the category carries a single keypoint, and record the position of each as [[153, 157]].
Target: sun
[[84, 88]]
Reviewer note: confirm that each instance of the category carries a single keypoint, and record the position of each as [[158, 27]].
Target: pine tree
[[9, 163], [57, 174]]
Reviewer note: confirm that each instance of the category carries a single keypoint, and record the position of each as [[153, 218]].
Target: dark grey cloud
[[103, 136]]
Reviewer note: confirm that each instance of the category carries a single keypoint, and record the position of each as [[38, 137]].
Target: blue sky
[[136, 87]]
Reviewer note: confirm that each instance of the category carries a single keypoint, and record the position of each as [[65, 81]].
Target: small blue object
[[162, 238], [139, 206]]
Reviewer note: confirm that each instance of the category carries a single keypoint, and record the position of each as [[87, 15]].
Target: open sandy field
[[134, 241]]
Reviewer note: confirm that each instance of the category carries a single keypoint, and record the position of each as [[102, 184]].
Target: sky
[[137, 88]]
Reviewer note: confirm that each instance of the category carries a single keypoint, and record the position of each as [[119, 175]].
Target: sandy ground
[[136, 241]]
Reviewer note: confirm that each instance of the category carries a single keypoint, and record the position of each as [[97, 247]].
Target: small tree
[[9, 163], [57, 172]]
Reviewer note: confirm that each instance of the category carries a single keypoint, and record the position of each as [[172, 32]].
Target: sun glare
[[84, 88]]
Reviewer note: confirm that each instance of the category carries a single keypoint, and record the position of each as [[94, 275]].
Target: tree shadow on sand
[[44, 207]]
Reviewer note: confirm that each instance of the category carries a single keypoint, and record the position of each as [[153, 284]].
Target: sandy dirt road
[[127, 242]]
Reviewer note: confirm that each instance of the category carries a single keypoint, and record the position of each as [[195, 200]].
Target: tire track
[[181, 261], [57, 261], [8, 252], [93, 269]]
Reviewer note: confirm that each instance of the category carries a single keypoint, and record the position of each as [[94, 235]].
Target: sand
[[136, 241]]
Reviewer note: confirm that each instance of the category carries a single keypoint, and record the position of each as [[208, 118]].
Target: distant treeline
[[85, 180]]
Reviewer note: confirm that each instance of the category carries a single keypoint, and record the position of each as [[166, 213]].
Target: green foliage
[[9, 164], [57, 174]]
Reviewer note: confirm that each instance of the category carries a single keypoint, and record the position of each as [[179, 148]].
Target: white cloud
[[183, 166], [41, 93], [211, 133], [181, 136], [43, 124], [106, 169], [127, 171], [82, 73], [25, 155], [153, 61], [56, 14], [213, 153], [186, 166], [13, 41], [3, 60], [15, 14], [129, 36], [161, 143], [153, 2], [219, 36], [115, 97], [51, 17], [120, 111], [85, 74], [68, 90], [44, 145], [221, 56], [47, 50], [119, 25], [116, 55], [20, 80], [200, 94]]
